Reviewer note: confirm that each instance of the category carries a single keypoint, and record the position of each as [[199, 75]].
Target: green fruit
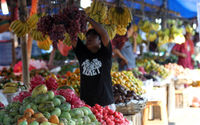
[[86, 110], [86, 120], [7, 120], [56, 111], [40, 89], [64, 121], [34, 123], [41, 98], [79, 121], [47, 115], [2, 113], [62, 99], [51, 95], [23, 123], [71, 122], [56, 101], [27, 100], [65, 107], [66, 87], [76, 113], [45, 123], [92, 117], [65, 115], [46, 107]]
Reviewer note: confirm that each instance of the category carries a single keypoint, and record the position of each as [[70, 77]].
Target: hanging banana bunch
[[111, 30], [120, 16], [19, 28], [32, 21], [98, 11], [121, 30], [67, 39], [45, 45], [37, 35]]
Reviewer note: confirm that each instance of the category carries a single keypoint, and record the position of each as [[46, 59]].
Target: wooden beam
[[25, 66]]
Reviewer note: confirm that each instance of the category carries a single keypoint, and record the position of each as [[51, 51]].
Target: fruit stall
[[33, 93]]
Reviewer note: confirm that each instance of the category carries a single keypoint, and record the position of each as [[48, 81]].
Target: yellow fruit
[[46, 44]]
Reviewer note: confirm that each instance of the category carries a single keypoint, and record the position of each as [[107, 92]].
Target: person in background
[[126, 51], [95, 60], [184, 52]]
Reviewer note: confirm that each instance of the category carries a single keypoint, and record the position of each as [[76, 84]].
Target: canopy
[[186, 8]]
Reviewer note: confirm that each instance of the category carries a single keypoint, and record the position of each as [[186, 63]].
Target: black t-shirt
[[96, 83]]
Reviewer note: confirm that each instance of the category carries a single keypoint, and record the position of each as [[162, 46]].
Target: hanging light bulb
[[4, 7]]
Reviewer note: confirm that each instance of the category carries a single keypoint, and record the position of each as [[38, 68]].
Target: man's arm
[[179, 54], [118, 54], [100, 29], [135, 35]]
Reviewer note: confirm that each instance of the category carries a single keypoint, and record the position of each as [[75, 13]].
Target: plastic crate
[[5, 52]]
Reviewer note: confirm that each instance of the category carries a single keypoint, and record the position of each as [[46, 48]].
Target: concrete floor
[[187, 116]]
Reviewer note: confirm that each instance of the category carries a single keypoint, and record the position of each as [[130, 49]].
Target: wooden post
[[164, 17], [25, 66]]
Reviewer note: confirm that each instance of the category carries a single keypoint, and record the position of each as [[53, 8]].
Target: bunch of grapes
[[45, 24], [57, 33]]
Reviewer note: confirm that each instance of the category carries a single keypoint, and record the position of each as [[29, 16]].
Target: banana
[[9, 90], [32, 21], [10, 84]]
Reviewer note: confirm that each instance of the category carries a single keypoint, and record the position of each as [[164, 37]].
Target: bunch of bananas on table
[[10, 87], [120, 16]]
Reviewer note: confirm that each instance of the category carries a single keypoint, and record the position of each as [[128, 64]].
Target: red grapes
[[70, 20]]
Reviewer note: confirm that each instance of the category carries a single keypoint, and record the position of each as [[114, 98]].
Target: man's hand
[[183, 55], [124, 62]]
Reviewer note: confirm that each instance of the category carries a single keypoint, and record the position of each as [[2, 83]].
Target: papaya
[[47, 115], [92, 117], [40, 89], [56, 111], [76, 113], [41, 98], [79, 121], [65, 107], [71, 122], [65, 115], [34, 123], [23, 123], [50, 94], [56, 101], [86, 120], [62, 99], [63, 120], [45, 123], [46, 107], [86, 110]]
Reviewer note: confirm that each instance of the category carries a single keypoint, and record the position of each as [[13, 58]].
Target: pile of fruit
[[8, 74], [122, 95], [151, 65], [42, 72], [72, 79], [106, 116], [175, 68], [47, 107], [127, 80]]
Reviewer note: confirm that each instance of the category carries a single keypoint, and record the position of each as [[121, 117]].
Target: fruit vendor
[[125, 50], [95, 65], [184, 52]]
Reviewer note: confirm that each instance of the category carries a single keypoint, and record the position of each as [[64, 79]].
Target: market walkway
[[187, 116]]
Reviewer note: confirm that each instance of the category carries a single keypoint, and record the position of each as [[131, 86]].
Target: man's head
[[93, 40]]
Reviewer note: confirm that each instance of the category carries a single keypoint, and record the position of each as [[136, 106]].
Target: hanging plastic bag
[[63, 48]]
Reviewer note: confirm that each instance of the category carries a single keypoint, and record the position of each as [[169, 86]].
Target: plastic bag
[[63, 49]]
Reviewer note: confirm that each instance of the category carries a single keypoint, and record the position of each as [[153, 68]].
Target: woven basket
[[132, 107]]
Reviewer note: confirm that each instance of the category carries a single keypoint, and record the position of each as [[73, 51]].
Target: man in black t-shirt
[[95, 65]]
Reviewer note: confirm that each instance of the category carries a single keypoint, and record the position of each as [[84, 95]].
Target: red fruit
[[51, 84]]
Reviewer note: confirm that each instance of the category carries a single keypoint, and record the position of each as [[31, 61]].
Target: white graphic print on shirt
[[91, 68]]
